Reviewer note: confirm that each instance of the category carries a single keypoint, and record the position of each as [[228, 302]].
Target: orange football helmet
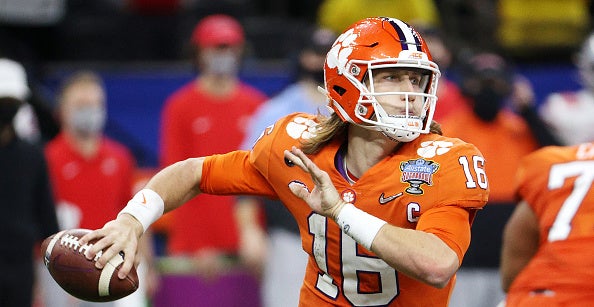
[[374, 43]]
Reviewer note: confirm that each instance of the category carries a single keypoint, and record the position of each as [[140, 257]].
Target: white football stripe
[[106, 274], [50, 247]]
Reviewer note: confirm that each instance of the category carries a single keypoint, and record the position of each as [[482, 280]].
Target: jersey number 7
[[584, 171]]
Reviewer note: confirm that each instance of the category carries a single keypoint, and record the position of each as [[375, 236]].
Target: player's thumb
[[299, 189]]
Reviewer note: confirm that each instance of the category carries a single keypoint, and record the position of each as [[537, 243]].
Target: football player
[[383, 201], [547, 257]]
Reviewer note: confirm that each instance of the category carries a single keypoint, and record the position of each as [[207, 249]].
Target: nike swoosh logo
[[384, 200], [143, 198]]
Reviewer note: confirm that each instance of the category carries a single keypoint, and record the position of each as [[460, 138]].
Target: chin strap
[[410, 136]]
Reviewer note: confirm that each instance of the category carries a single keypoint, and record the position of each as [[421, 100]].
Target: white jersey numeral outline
[[584, 173], [352, 264], [478, 164]]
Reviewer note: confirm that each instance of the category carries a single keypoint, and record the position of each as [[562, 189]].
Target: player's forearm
[[417, 254], [520, 243], [514, 257], [509, 269], [178, 183]]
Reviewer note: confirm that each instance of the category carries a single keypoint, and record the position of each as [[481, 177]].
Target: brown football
[[64, 258]]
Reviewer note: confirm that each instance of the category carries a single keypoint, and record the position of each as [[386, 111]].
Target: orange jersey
[[557, 183], [434, 184]]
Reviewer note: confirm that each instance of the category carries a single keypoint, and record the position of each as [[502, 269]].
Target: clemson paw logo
[[338, 56], [302, 127], [431, 149], [348, 195]]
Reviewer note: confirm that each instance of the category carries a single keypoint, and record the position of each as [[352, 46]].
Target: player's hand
[[323, 198], [121, 234]]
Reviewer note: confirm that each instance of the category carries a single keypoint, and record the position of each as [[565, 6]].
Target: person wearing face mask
[[29, 215], [268, 249], [498, 121], [34, 121], [92, 175], [489, 86], [208, 115]]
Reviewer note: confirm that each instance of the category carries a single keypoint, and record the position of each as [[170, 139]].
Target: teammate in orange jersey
[[383, 201], [548, 241]]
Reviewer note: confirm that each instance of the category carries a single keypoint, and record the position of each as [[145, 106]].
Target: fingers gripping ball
[[64, 258]]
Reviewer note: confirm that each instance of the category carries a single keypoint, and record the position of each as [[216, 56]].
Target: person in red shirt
[[548, 241], [208, 115], [91, 174], [83, 161], [384, 203]]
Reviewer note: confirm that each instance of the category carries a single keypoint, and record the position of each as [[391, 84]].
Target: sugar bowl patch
[[416, 173]]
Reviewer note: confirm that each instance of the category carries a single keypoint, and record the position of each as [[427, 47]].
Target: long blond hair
[[333, 127]]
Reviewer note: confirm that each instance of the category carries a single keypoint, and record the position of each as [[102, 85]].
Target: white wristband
[[359, 225], [146, 206]]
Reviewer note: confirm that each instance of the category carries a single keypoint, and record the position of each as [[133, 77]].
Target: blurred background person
[[208, 115], [16, 84], [34, 121], [25, 195], [491, 89], [28, 31], [92, 177], [276, 250], [547, 249], [569, 114], [504, 137]]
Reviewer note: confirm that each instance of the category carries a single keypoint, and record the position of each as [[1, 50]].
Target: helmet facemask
[[412, 119]]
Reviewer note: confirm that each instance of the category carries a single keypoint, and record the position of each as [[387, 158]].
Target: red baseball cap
[[219, 29]]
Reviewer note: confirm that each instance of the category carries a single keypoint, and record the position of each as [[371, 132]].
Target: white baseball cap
[[13, 80]]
